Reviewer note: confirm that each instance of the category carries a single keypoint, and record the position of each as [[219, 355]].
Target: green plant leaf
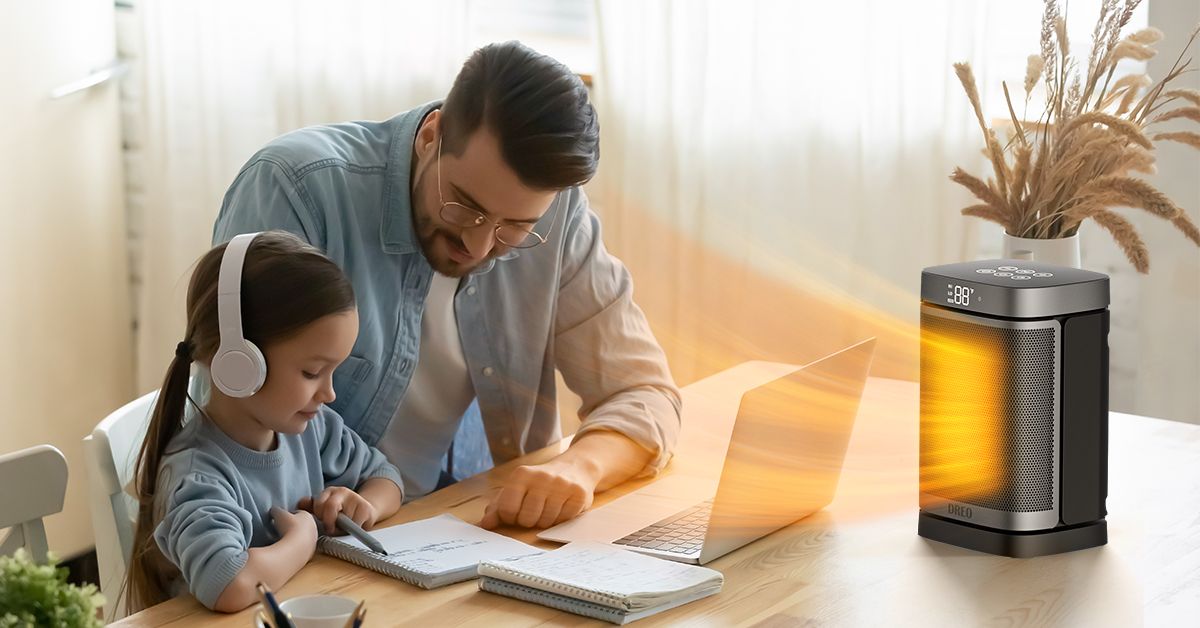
[[39, 595]]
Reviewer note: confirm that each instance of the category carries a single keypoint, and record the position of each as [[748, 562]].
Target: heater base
[[1014, 544]]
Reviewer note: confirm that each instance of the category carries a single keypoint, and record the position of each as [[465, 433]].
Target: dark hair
[[537, 108], [286, 284]]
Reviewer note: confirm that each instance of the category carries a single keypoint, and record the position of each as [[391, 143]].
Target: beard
[[436, 241], [433, 247]]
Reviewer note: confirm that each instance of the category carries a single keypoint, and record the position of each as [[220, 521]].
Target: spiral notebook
[[600, 581], [429, 553]]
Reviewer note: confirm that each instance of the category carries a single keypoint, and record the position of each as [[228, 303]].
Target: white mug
[[319, 611]]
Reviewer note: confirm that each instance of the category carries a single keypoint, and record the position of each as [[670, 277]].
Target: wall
[[64, 326], [1155, 337]]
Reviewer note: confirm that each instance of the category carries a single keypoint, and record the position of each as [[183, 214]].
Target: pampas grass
[[1191, 113], [1183, 137], [1190, 95], [1077, 161], [1126, 236], [1033, 71], [1147, 36], [1130, 130], [1185, 224], [1131, 193]]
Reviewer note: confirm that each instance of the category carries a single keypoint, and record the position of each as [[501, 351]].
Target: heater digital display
[[958, 295]]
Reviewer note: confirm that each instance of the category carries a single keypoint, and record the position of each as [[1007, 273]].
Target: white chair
[[111, 452], [33, 484]]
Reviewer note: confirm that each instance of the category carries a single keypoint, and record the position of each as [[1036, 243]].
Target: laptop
[[782, 464]]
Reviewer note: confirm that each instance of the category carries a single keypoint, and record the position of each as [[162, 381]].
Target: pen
[[347, 525], [278, 618]]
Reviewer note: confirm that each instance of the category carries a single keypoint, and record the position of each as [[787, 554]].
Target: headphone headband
[[229, 287], [238, 368]]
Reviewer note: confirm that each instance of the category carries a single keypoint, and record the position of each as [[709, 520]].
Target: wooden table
[[858, 562]]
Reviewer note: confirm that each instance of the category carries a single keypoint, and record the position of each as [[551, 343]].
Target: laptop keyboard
[[681, 533]]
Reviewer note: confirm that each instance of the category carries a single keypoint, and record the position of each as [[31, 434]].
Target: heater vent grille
[[988, 408]]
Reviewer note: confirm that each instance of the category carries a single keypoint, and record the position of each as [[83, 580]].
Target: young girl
[[218, 492]]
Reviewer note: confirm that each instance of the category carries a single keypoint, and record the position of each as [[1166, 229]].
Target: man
[[478, 269]]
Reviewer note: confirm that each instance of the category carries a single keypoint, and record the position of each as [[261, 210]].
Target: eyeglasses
[[509, 234]]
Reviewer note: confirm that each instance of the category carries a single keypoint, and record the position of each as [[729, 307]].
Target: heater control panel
[[1015, 273], [1014, 288]]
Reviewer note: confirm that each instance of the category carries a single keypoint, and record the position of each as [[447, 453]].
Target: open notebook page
[[440, 544]]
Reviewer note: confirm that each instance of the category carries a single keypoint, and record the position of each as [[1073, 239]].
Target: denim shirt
[[566, 304]]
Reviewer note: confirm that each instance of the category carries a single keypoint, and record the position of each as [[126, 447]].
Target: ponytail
[[148, 572]]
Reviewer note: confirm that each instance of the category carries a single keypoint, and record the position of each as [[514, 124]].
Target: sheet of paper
[[442, 544], [601, 567]]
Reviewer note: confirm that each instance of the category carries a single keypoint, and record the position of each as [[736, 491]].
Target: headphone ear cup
[[239, 371]]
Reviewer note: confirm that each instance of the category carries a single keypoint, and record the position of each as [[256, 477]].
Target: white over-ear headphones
[[238, 368]]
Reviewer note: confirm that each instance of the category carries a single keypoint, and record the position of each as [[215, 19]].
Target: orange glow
[[963, 380], [802, 465], [714, 308]]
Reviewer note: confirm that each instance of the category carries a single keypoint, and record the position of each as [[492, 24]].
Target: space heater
[[1014, 407]]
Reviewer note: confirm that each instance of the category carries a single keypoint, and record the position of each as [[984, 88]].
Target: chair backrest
[[111, 452], [33, 484]]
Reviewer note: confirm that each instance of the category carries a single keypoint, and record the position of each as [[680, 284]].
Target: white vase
[[1061, 251]]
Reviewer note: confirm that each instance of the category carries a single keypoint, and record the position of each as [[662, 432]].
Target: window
[[563, 29]]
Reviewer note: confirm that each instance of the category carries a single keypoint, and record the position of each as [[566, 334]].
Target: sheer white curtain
[[810, 143], [806, 141], [216, 79]]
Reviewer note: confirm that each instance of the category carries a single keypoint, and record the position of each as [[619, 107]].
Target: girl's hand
[[301, 524], [335, 499]]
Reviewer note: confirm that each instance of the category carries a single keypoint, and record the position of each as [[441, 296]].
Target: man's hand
[[539, 496], [335, 499]]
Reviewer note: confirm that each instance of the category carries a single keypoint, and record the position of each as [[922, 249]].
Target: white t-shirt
[[440, 392]]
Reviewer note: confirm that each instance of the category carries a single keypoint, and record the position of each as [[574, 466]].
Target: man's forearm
[[608, 457]]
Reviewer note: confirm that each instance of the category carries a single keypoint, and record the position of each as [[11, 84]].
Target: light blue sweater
[[215, 495]]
